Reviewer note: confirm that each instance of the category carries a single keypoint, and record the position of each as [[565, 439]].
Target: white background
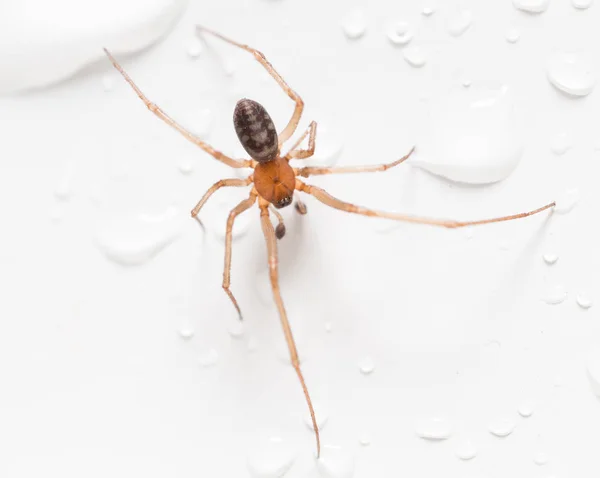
[[95, 378]]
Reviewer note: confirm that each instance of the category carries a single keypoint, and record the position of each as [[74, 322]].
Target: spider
[[274, 182]]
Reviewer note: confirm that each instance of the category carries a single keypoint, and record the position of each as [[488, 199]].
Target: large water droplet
[[414, 56], [427, 11], [434, 429], [466, 450], [555, 294], [460, 22], [532, 6], [472, 137], [501, 427], [561, 143], [354, 24], [566, 201], [572, 72], [335, 462], [593, 369], [270, 459], [400, 33], [135, 240], [582, 4], [550, 258], [584, 301]]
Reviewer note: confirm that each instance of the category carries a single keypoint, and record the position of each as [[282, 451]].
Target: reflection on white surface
[[572, 72], [44, 42], [472, 137]]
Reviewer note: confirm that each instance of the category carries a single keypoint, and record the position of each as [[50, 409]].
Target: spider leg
[[315, 171], [280, 229], [218, 185], [171, 122], [304, 153], [240, 208], [271, 241], [288, 131], [327, 199], [300, 207]]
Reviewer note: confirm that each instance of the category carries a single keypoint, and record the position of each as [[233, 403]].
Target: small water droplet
[[572, 72], [270, 459], [400, 33], [460, 22], [471, 137], [194, 48], [354, 24], [427, 11], [328, 327], [208, 358], [131, 241], [584, 301], [532, 6], [108, 82], [501, 427], [593, 369], [186, 333], [366, 365], [236, 329], [554, 295], [541, 458], [466, 82], [525, 410], [186, 166], [321, 416], [414, 56], [550, 258], [466, 450], [561, 143], [513, 35], [582, 4], [200, 123], [434, 429], [335, 462], [364, 439], [567, 201]]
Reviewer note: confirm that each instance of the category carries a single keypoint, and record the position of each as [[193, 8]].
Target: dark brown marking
[[255, 130]]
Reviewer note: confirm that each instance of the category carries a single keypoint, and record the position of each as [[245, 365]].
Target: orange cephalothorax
[[275, 181]]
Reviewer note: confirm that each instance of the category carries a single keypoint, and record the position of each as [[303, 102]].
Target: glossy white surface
[[143, 370]]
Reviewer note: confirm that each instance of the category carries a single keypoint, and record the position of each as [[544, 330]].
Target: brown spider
[[274, 182]]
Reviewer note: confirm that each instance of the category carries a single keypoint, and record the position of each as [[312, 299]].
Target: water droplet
[[186, 333], [550, 258], [200, 123], [321, 416], [561, 143], [567, 201], [572, 72], [555, 294], [186, 166], [584, 301], [414, 56], [532, 6], [501, 427], [364, 439], [131, 241], [335, 462], [472, 137], [541, 458], [582, 4], [525, 410], [208, 358], [593, 369], [328, 327], [513, 35], [427, 11], [460, 22], [400, 33], [270, 459], [434, 429], [236, 329], [329, 146], [466, 450], [194, 48], [354, 24], [366, 365], [466, 82], [108, 82]]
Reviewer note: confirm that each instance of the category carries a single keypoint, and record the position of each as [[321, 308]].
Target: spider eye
[[286, 201]]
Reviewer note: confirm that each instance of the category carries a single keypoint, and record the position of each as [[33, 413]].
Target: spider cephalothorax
[[274, 181]]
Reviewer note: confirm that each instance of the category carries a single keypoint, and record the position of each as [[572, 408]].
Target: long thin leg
[[280, 229], [315, 171], [240, 208], [218, 185], [171, 122], [304, 153], [335, 203], [288, 131], [269, 233]]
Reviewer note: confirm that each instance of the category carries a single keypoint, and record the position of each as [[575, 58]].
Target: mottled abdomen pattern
[[255, 130]]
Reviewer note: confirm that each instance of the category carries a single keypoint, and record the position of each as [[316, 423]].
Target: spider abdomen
[[255, 130]]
